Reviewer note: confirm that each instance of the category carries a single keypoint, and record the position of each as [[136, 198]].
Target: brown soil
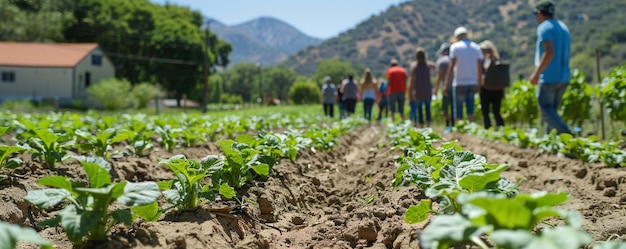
[[320, 200]]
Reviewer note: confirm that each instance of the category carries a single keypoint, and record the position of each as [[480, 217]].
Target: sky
[[317, 18]]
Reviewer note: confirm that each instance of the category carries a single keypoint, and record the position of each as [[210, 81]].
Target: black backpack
[[498, 75]]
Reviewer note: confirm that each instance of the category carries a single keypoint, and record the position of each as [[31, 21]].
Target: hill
[[263, 40], [397, 32]]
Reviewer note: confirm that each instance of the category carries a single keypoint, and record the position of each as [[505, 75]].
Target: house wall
[[37, 82], [97, 72], [66, 83]]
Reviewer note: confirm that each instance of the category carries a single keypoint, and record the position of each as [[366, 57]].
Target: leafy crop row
[[90, 209], [476, 204], [588, 149]]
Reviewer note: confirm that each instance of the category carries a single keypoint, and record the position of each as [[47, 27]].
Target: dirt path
[[320, 201]]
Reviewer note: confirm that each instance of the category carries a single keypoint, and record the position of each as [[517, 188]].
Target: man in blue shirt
[[552, 71]]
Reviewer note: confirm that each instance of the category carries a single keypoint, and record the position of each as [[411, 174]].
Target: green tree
[[336, 69], [149, 42], [305, 92], [277, 81], [39, 21], [243, 80]]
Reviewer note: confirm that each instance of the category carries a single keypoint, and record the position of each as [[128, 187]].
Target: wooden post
[[602, 129], [56, 104]]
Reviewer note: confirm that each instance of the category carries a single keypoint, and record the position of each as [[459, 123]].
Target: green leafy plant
[[520, 105], [613, 93], [168, 137], [46, 145], [509, 222], [100, 143], [187, 190], [576, 104], [10, 234], [88, 213], [139, 137], [243, 162], [8, 150]]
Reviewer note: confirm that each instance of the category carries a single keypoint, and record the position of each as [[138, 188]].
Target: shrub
[[18, 105], [228, 98], [304, 93], [144, 92], [111, 94]]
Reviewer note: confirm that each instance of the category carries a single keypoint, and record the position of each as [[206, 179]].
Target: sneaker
[[447, 130]]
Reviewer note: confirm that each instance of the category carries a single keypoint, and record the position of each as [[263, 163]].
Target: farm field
[[342, 197]]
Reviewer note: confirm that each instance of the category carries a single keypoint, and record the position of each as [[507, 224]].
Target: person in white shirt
[[466, 64]]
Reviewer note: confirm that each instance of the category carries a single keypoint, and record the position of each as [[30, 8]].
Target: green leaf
[[100, 161], [611, 245], [477, 181], [148, 212], [247, 139], [46, 198], [512, 238], [61, 182], [10, 234], [98, 175], [562, 237], [139, 194], [445, 229], [367, 200], [77, 223], [262, 169], [123, 215], [165, 185], [418, 213], [227, 191]]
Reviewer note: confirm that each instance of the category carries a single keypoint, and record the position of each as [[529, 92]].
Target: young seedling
[[186, 191], [87, 212]]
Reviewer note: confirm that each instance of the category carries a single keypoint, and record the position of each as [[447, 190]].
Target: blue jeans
[[464, 95], [417, 116], [367, 108], [549, 97]]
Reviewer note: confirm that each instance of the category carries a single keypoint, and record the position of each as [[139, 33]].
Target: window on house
[[8, 76], [96, 59], [87, 79]]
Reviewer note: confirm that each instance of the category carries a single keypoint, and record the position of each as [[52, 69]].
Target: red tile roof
[[43, 54]]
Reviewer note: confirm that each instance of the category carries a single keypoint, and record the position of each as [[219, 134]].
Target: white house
[[50, 70]]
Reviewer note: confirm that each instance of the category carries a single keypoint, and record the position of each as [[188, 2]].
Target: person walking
[[396, 88], [552, 71], [329, 97], [447, 104], [491, 92], [340, 102], [383, 101], [368, 94], [420, 89], [350, 91], [466, 63]]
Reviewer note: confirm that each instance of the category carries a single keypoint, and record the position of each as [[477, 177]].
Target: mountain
[[264, 40], [510, 24]]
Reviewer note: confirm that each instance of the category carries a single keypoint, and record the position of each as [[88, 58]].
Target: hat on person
[[459, 31], [393, 62], [327, 79], [445, 47], [544, 6]]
